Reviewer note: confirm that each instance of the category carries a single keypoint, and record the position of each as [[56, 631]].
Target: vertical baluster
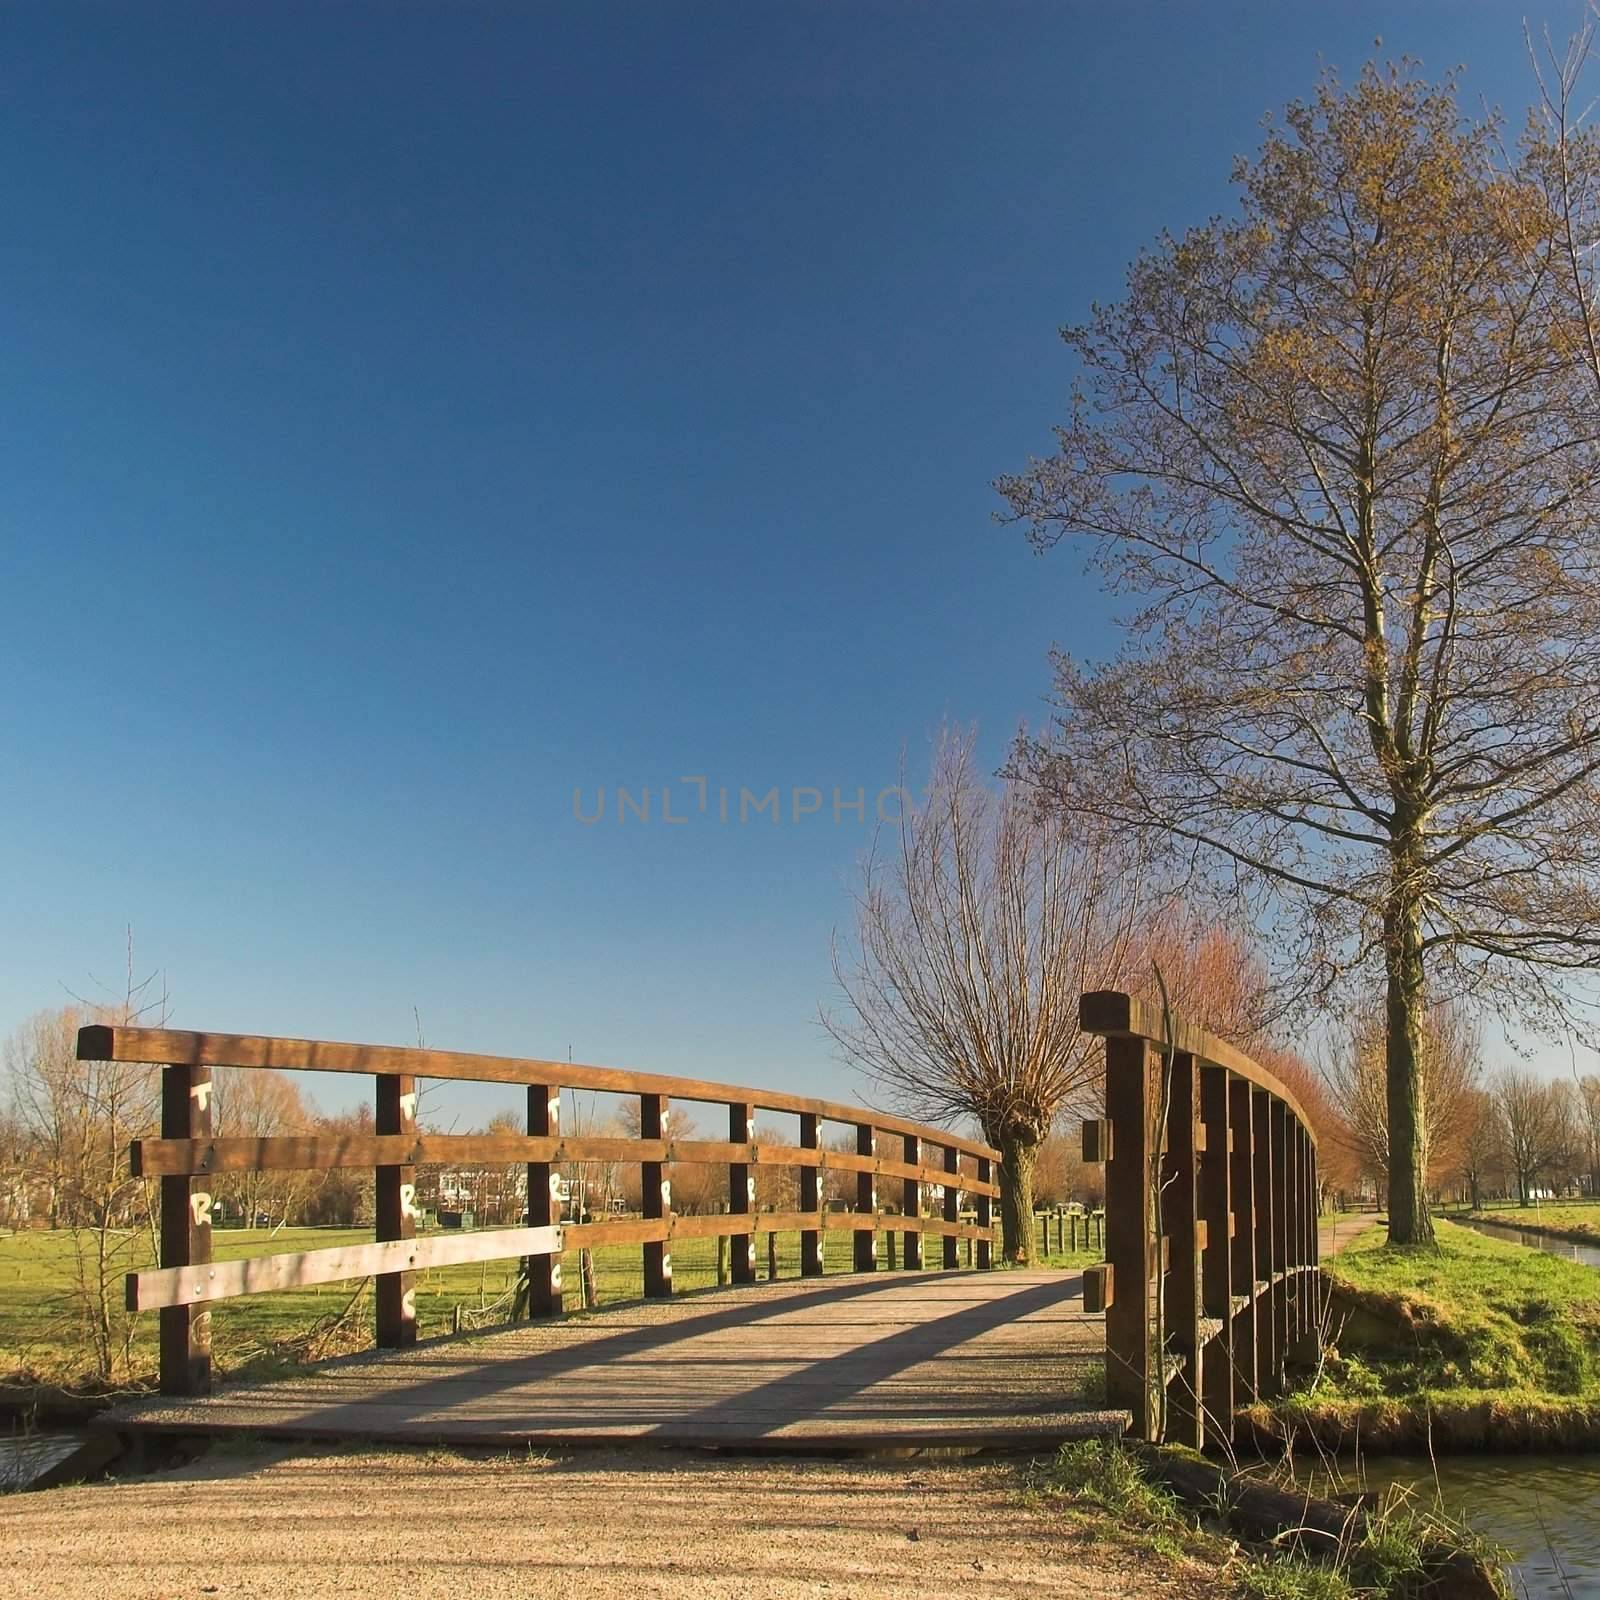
[[544, 1201], [1242, 1200], [742, 1191], [1216, 1257], [1180, 1247], [952, 1204], [985, 1205], [185, 1331], [657, 1198], [911, 1205], [1317, 1304], [1129, 1234], [1294, 1214], [866, 1200], [1269, 1355], [1280, 1236], [395, 1206], [811, 1199]]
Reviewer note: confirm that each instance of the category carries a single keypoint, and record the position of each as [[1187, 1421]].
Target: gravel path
[[1332, 1237], [298, 1523]]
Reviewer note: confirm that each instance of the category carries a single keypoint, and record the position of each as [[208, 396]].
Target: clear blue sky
[[414, 413]]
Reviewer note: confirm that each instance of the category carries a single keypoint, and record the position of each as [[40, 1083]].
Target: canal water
[[1587, 1254], [1544, 1509]]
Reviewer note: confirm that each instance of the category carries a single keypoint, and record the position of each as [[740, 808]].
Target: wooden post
[[395, 1205], [772, 1256], [185, 1234], [1129, 1074], [1294, 1218], [866, 1201], [985, 1215], [1180, 1247], [1074, 1226], [889, 1251], [811, 1199], [911, 1205], [1241, 1161], [1303, 1253], [1281, 1223], [742, 1191], [656, 1197], [722, 1259], [1316, 1245], [1216, 1256], [1269, 1354], [544, 1201], [952, 1203]]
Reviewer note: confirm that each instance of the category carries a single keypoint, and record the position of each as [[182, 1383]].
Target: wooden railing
[[1211, 1281], [187, 1154]]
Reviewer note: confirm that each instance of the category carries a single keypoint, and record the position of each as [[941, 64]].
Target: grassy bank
[[1469, 1343], [1258, 1542], [42, 1336], [1577, 1220]]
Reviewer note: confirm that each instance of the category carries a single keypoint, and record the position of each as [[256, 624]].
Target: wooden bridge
[[1210, 1199]]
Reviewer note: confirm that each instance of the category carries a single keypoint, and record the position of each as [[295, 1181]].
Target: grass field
[[1572, 1219], [41, 1327], [1474, 1340]]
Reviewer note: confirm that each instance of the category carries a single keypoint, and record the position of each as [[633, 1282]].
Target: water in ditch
[[1544, 1509]]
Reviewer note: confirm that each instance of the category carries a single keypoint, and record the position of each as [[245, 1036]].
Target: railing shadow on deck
[[188, 1156], [408, 1405]]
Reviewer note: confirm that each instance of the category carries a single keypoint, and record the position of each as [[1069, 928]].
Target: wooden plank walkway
[[868, 1361]]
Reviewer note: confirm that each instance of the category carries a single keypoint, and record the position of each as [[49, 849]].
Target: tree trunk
[[1017, 1156], [1409, 1221]]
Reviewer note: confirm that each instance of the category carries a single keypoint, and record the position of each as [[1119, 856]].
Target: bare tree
[[1481, 1144], [45, 1092], [1588, 1110], [976, 933], [1342, 450], [1449, 1065], [1534, 1126], [255, 1103]]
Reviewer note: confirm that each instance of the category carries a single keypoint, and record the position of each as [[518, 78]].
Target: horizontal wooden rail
[[1115, 1015], [177, 1047], [720, 1224], [929, 1169], [1211, 1198], [224, 1280], [157, 1158]]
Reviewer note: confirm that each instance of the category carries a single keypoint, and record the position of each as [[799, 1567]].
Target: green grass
[[1474, 1314], [1105, 1494], [1397, 1552], [1069, 1260], [41, 1333], [1472, 1341], [1578, 1219]]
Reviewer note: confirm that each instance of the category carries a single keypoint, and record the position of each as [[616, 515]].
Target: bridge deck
[[950, 1359]]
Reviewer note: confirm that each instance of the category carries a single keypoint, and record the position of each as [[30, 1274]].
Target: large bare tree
[[1449, 1066], [1340, 450], [977, 930]]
